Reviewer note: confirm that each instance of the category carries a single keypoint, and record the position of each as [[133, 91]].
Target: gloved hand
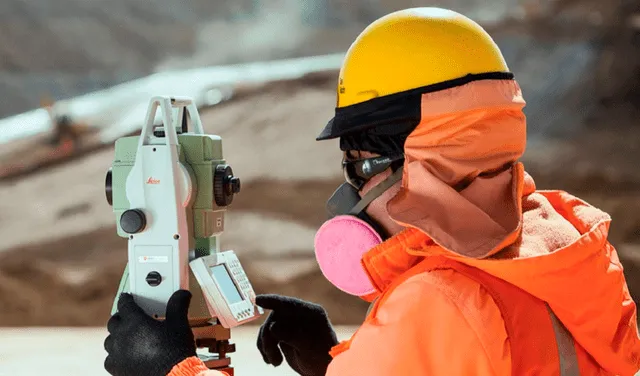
[[140, 345], [303, 331]]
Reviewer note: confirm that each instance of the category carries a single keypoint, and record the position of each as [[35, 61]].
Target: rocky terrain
[[63, 48], [60, 258]]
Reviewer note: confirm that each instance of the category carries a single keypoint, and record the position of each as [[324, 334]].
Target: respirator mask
[[349, 233]]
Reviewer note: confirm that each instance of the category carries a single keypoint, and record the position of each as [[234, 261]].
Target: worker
[[64, 132], [470, 270]]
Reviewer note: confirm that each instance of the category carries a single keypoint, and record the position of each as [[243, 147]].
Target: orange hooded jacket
[[439, 320], [491, 276]]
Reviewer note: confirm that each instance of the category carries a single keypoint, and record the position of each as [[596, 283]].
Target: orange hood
[[548, 243]]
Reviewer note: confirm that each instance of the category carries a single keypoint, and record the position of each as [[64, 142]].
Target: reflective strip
[[566, 348], [370, 307]]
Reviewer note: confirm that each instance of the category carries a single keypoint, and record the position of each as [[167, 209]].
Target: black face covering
[[346, 200]]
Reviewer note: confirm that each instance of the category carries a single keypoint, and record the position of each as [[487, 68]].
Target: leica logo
[[151, 180]]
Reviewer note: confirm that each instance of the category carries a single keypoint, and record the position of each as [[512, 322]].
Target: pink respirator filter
[[339, 246]]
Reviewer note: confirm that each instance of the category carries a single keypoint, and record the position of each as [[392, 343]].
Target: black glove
[[139, 345], [303, 331]]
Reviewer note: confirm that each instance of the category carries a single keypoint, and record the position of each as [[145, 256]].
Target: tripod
[[213, 336]]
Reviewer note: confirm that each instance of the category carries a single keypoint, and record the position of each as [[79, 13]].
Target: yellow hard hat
[[412, 48], [396, 60]]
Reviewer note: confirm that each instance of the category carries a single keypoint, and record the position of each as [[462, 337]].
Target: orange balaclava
[[461, 140], [461, 183]]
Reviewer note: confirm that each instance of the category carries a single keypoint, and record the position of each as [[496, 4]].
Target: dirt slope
[[70, 47], [61, 259]]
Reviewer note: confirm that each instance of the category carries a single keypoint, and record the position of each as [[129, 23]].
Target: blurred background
[[77, 74]]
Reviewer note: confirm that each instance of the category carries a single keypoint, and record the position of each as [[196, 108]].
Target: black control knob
[[133, 221], [108, 187], [153, 279], [234, 184], [225, 185]]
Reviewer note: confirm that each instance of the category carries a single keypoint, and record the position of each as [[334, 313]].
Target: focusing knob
[[153, 279], [225, 185], [108, 187], [133, 221]]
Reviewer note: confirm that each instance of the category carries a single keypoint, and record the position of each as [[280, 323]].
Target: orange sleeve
[[193, 367], [437, 323]]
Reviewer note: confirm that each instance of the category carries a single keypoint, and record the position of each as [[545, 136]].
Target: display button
[[153, 279]]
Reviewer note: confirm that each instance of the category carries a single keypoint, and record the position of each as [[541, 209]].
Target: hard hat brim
[[329, 132], [383, 112]]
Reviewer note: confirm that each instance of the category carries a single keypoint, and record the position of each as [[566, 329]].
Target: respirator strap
[[377, 191]]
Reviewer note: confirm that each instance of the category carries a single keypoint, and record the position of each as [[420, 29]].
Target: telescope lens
[[108, 187]]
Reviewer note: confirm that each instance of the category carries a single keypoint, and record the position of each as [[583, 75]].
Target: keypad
[[243, 283], [239, 275]]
